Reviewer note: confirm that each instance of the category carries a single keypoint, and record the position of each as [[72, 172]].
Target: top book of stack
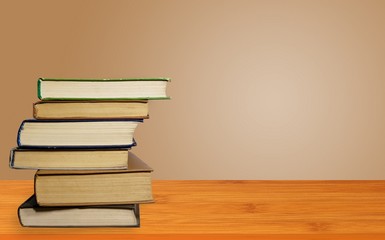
[[102, 89]]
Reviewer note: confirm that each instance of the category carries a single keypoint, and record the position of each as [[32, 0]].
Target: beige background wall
[[260, 90]]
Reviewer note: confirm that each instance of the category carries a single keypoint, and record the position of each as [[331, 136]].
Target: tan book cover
[[70, 159], [32, 215]]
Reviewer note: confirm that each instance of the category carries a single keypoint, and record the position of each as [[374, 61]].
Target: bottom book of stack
[[88, 198], [32, 215]]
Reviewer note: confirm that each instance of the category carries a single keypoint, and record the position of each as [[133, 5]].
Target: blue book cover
[[77, 133]]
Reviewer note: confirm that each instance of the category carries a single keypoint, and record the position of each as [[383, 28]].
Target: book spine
[[11, 158], [137, 214], [19, 133], [34, 187], [34, 110], [18, 216], [39, 88]]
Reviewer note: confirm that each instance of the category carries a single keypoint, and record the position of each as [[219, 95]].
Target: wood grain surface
[[233, 209]]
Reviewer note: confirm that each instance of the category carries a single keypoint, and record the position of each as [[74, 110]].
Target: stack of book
[[79, 142]]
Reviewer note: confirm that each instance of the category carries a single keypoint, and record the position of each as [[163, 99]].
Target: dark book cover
[[23, 145]]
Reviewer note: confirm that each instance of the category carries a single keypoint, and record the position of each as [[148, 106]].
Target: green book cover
[[41, 80]]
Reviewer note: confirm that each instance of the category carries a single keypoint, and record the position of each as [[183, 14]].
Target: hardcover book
[[102, 187], [90, 110], [77, 133], [32, 215], [70, 159], [99, 89]]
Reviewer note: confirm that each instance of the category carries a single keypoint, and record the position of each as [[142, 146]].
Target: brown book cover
[[90, 109], [95, 187]]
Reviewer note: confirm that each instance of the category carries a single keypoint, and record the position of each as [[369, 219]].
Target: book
[[102, 89], [32, 215], [90, 109], [70, 159], [77, 133], [88, 187]]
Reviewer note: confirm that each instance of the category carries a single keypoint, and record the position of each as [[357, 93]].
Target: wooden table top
[[230, 210]]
